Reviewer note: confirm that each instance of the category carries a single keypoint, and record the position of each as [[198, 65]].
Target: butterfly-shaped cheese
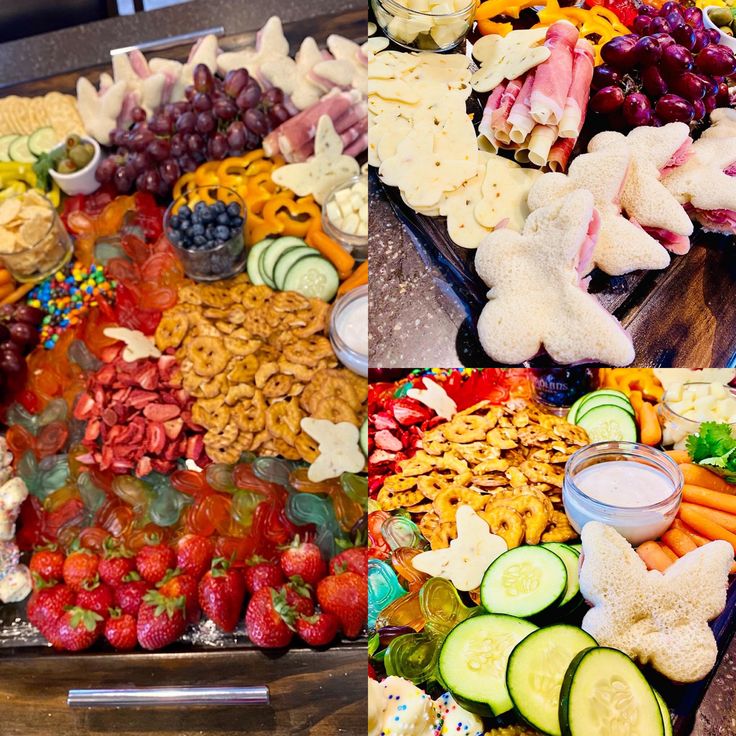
[[339, 451], [137, 345], [435, 397]]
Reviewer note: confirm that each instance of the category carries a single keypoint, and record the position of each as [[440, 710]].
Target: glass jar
[[349, 330], [356, 244], [650, 469], [421, 31], [209, 264], [557, 389], [48, 246], [675, 426]]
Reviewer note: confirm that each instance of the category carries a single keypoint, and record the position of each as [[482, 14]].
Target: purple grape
[[671, 7], [235, 81], [159, 150], [604, 75], [278, 114], [647, 10], [187, 163], [607, 100], [236, 135], [674, 21], [7, 312], [161, 124], [28, 314], [194, 143], [250, 96], [664, 40], [685, 36], [217, 147], [689, 86], [716, 60], [653, 82], [105, 171], [710, 103], [714, 34], [139, 162], [252, 140], [273, 96], [642, 25], [255, 121], [205, 123], [225, 109], [202, 77], [138, 114], [151, 180], [202, 102], [23, 334], [10, 364], [4, 333], [700, 41], [660, 25], [140, 140], [711, 83], [693, 17], [122, 180], [637, 109], [169, 171], [673, 109], [723, 97], [699, 108], [179, 108], [647, 51], [676, 59], [189, 92], [618, 52], [185, 122], [178, 145]]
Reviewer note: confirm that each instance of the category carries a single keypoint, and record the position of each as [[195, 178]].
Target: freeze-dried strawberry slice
[[386, 441], [161, 412], [173, 427], [85, 406]]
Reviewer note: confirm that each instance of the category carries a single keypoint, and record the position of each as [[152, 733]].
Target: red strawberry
[[318, 630], [153, 561], [48, 563], [129, 595], [115, 564], [194, 555], [354, 559], [161, 620], [221, 594], [261, 573], [78, 629], [345, 595], [176, 584], [268, 618], [303, 559], [80, 566], [47, 604], [120, 630], [96, 596], [299, 596]]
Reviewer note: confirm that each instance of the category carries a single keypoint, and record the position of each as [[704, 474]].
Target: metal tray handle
[[158, 696], [170, 42]]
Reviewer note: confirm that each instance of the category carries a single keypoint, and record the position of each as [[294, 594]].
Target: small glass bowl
[[421, 31], [51, 250], [356, 245], [637, 523], [217, 263], [676, 427], [348, 345]]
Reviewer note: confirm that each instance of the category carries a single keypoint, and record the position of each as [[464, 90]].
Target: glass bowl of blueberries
[[205, 225]]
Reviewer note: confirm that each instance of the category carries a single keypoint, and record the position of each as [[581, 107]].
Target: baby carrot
[[672, 556], [727, 521], [19, 293], [5, 276], [703, 525], [699, 539], [332, 251], [706, 497], [357, 278], [679, 456], [654, 556], [679, 542], [649, 427], [697, 475]]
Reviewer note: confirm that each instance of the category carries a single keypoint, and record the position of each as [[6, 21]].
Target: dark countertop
[[49, 54]]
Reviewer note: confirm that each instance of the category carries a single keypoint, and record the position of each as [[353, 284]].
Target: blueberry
[[199, 240], [174, 237], [222, 233], [200, 207], [184, 211], [219, 207], [223, 219], [236, 221], [198, 229], [233, 209], [207, 216], [174, 221]]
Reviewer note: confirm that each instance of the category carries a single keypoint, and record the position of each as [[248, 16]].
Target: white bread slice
[[536, 297], [622, 247], [643, 198], [655, 618]]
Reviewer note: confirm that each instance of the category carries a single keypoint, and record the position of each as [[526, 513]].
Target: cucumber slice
[[575, 408], [364, 437], [313, 276], [473, 658], [537, 667], [42, 140], [254, 256], [569, 558], [605, 423], [603, 693], [287, 259], [604, 400], [578, 548], [5, 142], [524, 582], [18, 150], [666, 718], [273, 253]]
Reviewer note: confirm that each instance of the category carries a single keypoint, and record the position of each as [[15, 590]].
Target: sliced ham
[[677, 244], [579, 92], [714, 221], [485, 131], [520, 118], [499, 117], [560, 154], [554, 76], [681, 155]]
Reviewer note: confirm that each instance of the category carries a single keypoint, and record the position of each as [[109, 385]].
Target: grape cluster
[[671, 69], [219, 118], [18, 336]]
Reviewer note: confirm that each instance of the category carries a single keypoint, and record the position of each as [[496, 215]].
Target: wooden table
[[320, 693]]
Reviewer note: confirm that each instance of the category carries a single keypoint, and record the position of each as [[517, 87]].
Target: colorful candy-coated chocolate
[[401, 559], [383, 588], [401, 531], [441, 607]]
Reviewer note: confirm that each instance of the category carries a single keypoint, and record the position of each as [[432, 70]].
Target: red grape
[[236, 135], [642, 25], [189, 92], [27, 313], [138, 114], [4, 333], [694, 17], [225, 109], [139, 162], [278, 114], [664, 40], [185, 122], [607, 100], [685, 36], [205, 123], [218, 147], [161, 124], [709, 102], [178, 145], [255, 121], [618, 52], [671, 7], [159, 149], [169, 171], [250, 96], [714, 34], [676, 59], [187, 163], [202, 102], [653, 82], [203, 81], [194, 142], [723, 97], [105, 171], [122, 180], [699, 109], [673, 109], [637, 109], [23, 334], [235, 81], [660, 25], [604, 75], [273, 95], [647, 51], [716, 60], [700, 41], [11, 364], [141, 139]]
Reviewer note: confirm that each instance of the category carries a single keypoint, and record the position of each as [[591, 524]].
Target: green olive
[[72, 140], [726, 29], [80, 156], [66, 166]]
